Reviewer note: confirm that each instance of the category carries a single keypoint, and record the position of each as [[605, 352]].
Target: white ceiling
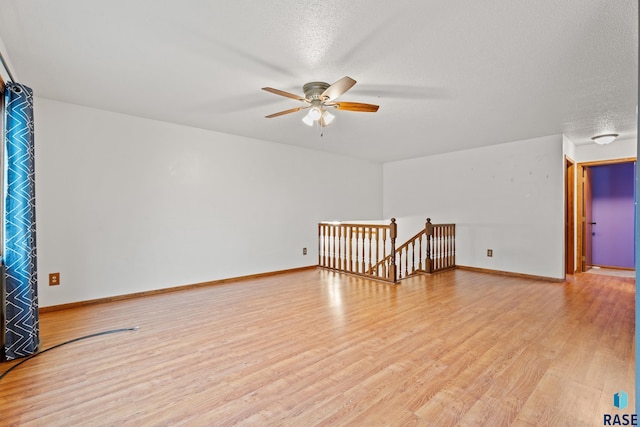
[[448, 75]]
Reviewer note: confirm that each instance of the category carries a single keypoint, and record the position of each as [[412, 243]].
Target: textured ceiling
[[447, 75]]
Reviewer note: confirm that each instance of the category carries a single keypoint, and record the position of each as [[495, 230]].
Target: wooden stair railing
[[369, 249], [430, 250], [403, 249], [358, 248], [441, 247]]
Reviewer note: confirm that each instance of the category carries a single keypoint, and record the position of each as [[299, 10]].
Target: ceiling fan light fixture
[[327, 117], [318, 114], [307, 120], [605, 139], [315, 113]]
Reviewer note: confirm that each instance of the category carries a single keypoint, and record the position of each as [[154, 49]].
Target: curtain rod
[[6, 67]]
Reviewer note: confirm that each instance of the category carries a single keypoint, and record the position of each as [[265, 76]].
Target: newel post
[[393, 233], [428, 228]]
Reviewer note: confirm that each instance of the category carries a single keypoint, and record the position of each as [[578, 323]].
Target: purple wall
[[614, 214]]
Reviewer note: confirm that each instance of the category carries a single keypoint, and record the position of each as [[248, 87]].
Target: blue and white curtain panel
[[20, 281]]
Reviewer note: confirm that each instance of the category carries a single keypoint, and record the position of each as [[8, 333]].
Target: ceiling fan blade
[[338, 88], [283, 93], [282, 113], [357, 106]]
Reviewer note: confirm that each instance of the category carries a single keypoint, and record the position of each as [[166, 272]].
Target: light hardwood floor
[[320, 348]]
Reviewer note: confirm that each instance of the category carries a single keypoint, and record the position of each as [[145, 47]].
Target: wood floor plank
[[316, 347]]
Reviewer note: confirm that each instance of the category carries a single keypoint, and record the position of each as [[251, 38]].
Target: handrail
[[435, 251], [402, 247]]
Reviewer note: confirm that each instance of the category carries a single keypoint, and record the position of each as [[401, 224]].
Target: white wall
[[126, 204], [3, 72], [506, 197], [568, 147]]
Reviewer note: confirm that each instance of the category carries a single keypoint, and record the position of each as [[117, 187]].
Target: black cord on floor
[[65, 343]]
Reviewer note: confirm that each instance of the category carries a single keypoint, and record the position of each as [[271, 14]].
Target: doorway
[[596, 245]]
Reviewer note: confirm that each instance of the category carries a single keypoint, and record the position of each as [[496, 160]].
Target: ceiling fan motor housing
[[313, 90]]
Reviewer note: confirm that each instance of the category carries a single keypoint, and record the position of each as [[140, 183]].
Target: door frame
[[579, 248], [569, 215]]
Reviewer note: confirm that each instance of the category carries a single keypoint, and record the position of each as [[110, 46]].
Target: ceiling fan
[[319, 97]]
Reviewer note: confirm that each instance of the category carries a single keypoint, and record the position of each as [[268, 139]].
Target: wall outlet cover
[[54, 279]]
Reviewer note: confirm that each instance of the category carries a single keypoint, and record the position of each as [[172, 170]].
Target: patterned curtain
[[20, 285]]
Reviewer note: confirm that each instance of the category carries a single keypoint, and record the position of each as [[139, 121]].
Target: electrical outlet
[[489, 252], [54, 279], [304, 251]]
